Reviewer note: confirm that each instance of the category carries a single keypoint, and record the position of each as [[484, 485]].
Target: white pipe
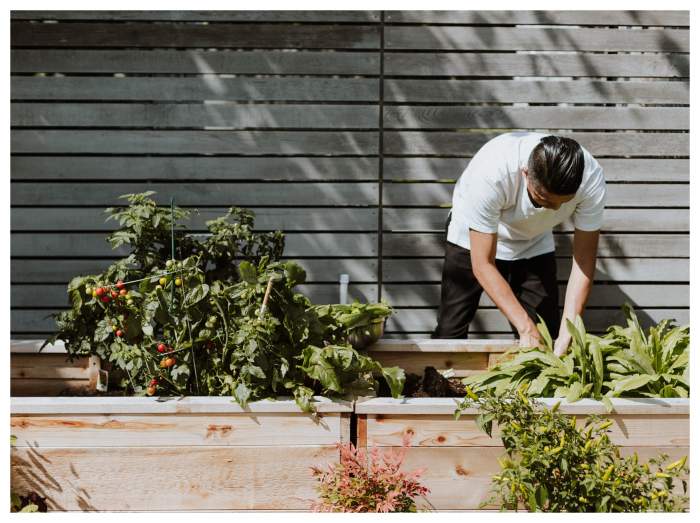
[[344, 281]]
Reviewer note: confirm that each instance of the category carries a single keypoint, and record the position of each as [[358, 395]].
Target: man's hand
[[530, 337], [561, 345]]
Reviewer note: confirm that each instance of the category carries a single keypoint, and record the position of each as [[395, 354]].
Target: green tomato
[[88, 290], [169, 264]]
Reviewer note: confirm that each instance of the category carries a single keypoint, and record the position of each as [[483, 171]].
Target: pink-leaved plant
[[368, 482]]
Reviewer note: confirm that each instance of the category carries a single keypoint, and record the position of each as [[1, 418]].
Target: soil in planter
[[431, 384]]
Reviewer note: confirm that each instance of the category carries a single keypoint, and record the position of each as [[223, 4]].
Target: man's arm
[[580, 282], [483, 255]]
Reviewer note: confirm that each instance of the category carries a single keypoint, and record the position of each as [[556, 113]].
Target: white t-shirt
[[491, 196]]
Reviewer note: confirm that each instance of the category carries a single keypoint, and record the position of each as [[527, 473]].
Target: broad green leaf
[[248, 272], [632, 383], [395, 378]]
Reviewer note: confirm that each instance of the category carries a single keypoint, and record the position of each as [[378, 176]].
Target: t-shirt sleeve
[[485, 202], [588, 215]]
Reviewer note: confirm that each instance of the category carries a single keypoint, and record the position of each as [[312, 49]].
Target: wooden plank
[[607, 269], [533, 91], [636, 430], [203, 16], [443, 345], [170, 405], [209, 194], [514, 64], [174, 430], [221, 115], [266, 219], [418, 143], [38, 371], [596, 320], [460, 478], [95, 244], [615, 220], [462, 364], [20, 387], [446, 406], [526, 38], [617, 195], [191, 61], [211, 478], [50, 270], [441, 117], [602, 294], [611, 245], [202, 168], [47, 295], [195, 142], [607, 18], [220, 35]]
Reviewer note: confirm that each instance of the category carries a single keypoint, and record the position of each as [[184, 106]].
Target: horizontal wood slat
[[173, 61], [602, 294], [425, 320], [172, 430], [209, 115], [201, 168], [217, 193], [48, 295], [535, 39], [615, 169], [202, 16], [607, 269], [203, 88], [222, 35], [610, 245], [649, 220], [52, 270], [417, 143], [93, 219], [618, 195], [632, 18], [510, 64], [214, 478], [195, 142], [534, 91], [438, 117], [94, 244]]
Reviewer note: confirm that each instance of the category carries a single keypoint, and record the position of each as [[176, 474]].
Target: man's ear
[[524, 172]]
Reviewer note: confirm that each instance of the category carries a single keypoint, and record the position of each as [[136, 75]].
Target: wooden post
[[93, 371], [362, 431]]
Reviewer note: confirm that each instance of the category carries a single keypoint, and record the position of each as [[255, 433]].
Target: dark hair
[[556, 163]]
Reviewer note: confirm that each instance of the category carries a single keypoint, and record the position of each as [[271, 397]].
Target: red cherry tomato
[[154, 382], [119, 333], [106, 299], [123, 292], [120, 285], [161, 347], [100, 291], [114, 294]]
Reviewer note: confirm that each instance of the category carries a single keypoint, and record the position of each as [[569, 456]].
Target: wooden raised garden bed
[[194, 453], [464, 357], [460, 459]]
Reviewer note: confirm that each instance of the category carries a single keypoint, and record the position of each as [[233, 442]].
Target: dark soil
[[431, 384]]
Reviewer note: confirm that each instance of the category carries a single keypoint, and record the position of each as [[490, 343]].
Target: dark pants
[[533, 280]]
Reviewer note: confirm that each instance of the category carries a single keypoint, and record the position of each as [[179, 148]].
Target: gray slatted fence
[[347, 130]]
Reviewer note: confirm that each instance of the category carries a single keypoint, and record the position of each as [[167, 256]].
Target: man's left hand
[[561, 345]]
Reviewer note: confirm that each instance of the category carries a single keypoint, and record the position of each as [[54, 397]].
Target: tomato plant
[[195, 325]]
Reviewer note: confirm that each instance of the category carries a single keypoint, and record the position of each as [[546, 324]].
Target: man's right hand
[[530, 336]]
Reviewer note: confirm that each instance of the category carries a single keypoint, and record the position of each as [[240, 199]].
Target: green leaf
[[395, 378], [248, 272], [632, 383], [294, 273], [575, 391], [241, 394]]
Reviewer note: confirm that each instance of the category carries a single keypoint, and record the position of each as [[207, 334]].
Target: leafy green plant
[[360, 324], [553, 465], [198, 325], [597, 367], [653, 364]]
